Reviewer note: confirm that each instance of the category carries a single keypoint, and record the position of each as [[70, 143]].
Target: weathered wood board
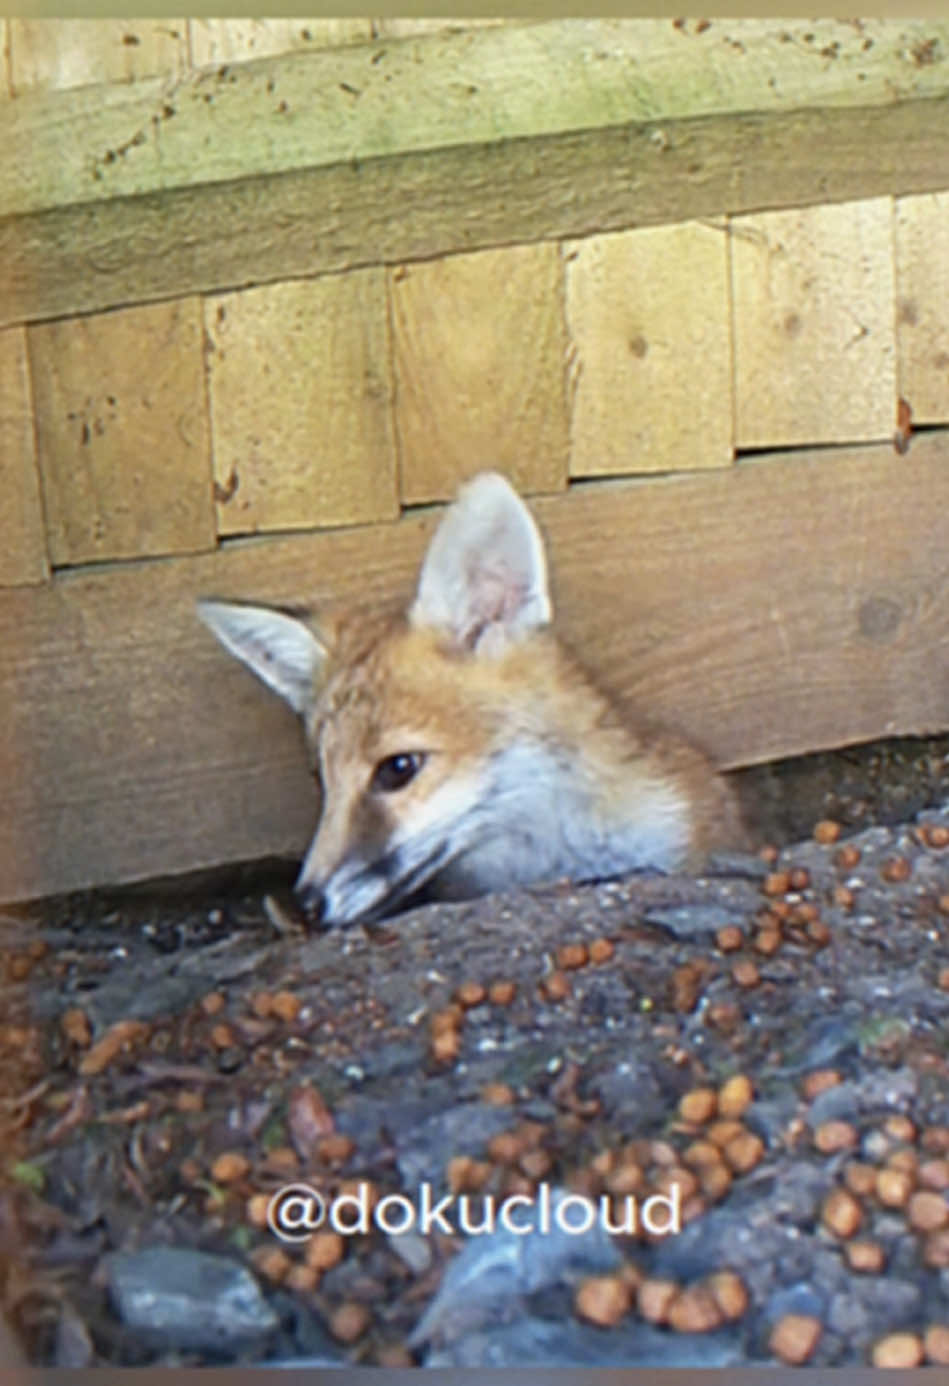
[[300, 389], [478, 356], [293, 165], [237, 40], [122, 433], [54, 54], [22, 532], [922, 322], [815, 354], [649, 322], [768, 608]]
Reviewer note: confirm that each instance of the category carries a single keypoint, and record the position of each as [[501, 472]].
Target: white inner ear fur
[[281, 650], [484, 577]]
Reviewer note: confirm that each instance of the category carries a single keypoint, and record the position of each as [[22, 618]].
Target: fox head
[[408, 722]]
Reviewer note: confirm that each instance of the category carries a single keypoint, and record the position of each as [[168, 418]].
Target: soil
[[766, 1047]]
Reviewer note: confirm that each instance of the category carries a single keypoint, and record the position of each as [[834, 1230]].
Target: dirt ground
[[765, 1047]]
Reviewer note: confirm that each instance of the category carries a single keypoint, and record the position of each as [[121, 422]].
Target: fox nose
[[311, 900]]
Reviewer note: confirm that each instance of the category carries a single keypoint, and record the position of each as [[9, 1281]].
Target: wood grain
[[922, 283], [479, 346], [23, 545], [122, 433], [237, 40], [767, 609], [56, 54], [815, 351], [649, 321], [300, 386], [275, 168]]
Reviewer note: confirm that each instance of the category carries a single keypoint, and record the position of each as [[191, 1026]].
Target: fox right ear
[[281, 650], [484, 578]]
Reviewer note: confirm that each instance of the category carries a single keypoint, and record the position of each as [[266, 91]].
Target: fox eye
[[395, 772]]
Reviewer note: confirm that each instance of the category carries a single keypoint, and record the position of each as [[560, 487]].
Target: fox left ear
[[484, 578], [281, 650]]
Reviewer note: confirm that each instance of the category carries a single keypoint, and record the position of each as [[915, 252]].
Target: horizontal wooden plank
[[54, 54], [118, 194], [238, 40], [810, 608]]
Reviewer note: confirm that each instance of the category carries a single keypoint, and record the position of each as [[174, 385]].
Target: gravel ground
[[763, 1052]]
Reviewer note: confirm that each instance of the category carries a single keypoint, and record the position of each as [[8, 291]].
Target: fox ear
[[484, 578], [279, 649]]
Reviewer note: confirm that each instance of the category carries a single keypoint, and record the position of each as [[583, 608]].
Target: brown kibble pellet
[[497, 1094], [728, 1290], [832, 1136], [570, 956], [694, 1310], [349, 1321], [698, 1106], [229, 1167], [936, 1344], [776, 883], [735, 1096], [335, 1149], [282, 1160], [261, 1003], [896, 869], [865, 1256], [729, 939], [933, 1174], [188, 1101], [449, 1018], [324, 1250], [457, 1172], [819, 1081], [223, 1036], [302, 1278], [818, 932], [601, 950], [555, 986], [603, 1299], [843, 897], [715, 1181], [841, 1214], [860, 1178], [942, 904], [723, 1131], [893, 1187], [470, 994], [927, 1211], [767, 942], [745, 973], [936, 1138], [942, 979], [794, 1338], [506, 1148], [826, 832], [768, 854], [502, 993], [744, 1152], [75, 1026], [654, 1298], [847, 857], [799, 877], [898, 1350], [256, 1209], [701, 1152], [213, 1003], [905, 1159], [446, 1046], [272, 1262], [626, 1178], [937, 836], [286, 1006]]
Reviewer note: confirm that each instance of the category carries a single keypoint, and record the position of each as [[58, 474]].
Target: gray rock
[[178, 1298], [534, 1342]]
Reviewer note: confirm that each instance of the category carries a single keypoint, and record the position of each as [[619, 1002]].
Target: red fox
[[459, 747]]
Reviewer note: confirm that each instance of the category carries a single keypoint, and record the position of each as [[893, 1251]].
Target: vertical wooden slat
[[301, 404], [60, 53], [479, 348], [922, 318], [22, 537], [815, 354], [648, 315], [235, 40], [122, 429]]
